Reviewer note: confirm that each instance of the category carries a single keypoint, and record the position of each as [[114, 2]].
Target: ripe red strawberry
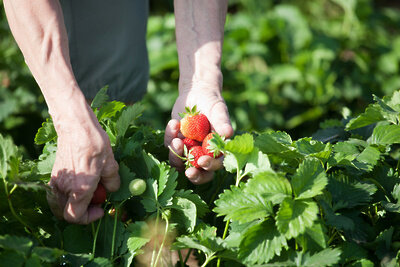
[[194, 154], [209, 149], [194, 125], [189, 143], [99, 196]]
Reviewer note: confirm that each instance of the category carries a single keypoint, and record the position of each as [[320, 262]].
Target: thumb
[[219, 119]]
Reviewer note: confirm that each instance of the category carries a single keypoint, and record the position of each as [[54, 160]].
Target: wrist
[[70, 113], [208, 80]]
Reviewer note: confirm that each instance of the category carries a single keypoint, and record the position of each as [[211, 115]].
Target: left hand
[[209, 102]]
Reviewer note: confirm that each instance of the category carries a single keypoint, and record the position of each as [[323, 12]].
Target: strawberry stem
[[176, 154]]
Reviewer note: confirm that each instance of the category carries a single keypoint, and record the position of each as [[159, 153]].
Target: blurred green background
[[287, 65]]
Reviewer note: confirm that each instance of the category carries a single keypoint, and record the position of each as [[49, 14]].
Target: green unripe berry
[[137, 187]]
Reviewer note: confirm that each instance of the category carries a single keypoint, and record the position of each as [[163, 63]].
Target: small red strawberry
[[189, 143], [99, 195], [194, 154], [209, 149], [194, 125]]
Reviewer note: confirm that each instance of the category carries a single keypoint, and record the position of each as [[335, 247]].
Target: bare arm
[[84, 155], [199, 35]]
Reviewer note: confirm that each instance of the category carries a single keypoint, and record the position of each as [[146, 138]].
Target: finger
[[171, 131], [220, 121], [92, 213], [210, 164], [78, 201], [55, 204], [177, 146], [198, 176], [109, 175]]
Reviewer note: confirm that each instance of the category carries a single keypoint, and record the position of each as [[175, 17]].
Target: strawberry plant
[[332, 199]]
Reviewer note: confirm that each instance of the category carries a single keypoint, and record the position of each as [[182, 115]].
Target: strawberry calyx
[[213, 144], [189, 111]]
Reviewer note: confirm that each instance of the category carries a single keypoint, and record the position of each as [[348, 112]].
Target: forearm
[[39, 30], [199, 35]]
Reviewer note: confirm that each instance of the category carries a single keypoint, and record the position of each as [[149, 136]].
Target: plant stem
[[15, 214], [163, 241], [238, 178], [208, 259], [188, 255], [155, 243], [13, 189], [95, 237], [180, 258], [176, 154], [114, 231]]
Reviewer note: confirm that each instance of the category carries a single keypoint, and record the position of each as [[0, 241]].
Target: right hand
[[84, 158]]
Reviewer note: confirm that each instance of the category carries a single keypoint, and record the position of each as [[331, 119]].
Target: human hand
[[84, 158], [210, 103]]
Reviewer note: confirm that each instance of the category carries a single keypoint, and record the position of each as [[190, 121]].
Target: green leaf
[[294, 216], [184, 213], [12, 258], [46, 133], [126, 176], [236, 231], [46, 163], [99, 262], [386, 135], [241, 144], [326, 257], [271, 186], [231, 163], [314, 238], [261, 243], [7, 150], [369, 156], [372, 114], [128, 117], [313, 148], [109, 110], [203, 238], [284, 73], [257, 162], [167, 183], [273, 142], [385, 107], [77, 239], [48, 254], [347, 192], [149, 197], [162, 184], [393, 101], [201, 206], [235, 204], [100, 98], [396, 192], [309, 180], [362, 263], [345, 151], [352, 251], [20, 244], [338, 220], [105, 237], [139, 235]]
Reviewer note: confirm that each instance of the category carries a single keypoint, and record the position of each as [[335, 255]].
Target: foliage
[[301, 196], [283, 202], [287, 65]]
